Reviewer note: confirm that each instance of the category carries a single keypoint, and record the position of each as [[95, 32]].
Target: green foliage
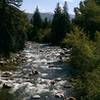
[[45, 35], [39, 29], [46, 23], [85, 59], [13, 25], [88, 16], [82, 56], [19, 36], [89, 88]]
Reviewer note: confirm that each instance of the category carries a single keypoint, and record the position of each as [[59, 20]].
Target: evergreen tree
[[12, 27], [66, 19], [37, 24], [60, 24], [45, 23], [56, 25], [36, 19], [88, 16]]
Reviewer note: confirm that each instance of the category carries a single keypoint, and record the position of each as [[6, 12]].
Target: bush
[[82, 56]]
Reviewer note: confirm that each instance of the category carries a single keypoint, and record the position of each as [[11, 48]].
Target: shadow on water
[[5, 95]]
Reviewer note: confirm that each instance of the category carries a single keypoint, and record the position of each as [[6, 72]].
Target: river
[[43, 75]]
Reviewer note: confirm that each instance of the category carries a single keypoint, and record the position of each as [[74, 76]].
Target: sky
[[47, 5]]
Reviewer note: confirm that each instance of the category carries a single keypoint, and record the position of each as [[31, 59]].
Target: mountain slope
[[49, 16]]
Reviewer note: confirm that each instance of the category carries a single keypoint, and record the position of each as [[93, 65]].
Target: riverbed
[[43, 75]]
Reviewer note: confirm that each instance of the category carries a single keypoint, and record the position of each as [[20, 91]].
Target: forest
[[81, 35]]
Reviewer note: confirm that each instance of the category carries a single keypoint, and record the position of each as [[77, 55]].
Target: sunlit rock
[[59, 95], [58, 79], [36, 97], [6, 74], [71, 98]]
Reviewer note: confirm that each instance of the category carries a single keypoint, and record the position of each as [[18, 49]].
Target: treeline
[[50, 31], [15, 28]]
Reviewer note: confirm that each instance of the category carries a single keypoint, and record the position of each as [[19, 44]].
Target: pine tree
[[56, 25], [36, 19], [45, 23], [66, 19], [37, 24], [60, 24]]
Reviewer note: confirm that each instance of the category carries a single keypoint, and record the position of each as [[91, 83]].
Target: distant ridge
[[49, 16]]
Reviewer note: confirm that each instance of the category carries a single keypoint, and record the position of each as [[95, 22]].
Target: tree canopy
[[13, 23]]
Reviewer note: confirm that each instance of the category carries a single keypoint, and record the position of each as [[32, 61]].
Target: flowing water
[[41, 76]]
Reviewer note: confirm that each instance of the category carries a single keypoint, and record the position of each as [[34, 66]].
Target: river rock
[[58, 79], [2, 63], [67, 86], [50, 66], [35, 72], [7, 85], [36, 97], [59, 95], [62, 53], [53, 82], [6, 74], [71, 98]]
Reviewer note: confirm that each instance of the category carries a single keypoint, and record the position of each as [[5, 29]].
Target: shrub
[[82, 56]]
